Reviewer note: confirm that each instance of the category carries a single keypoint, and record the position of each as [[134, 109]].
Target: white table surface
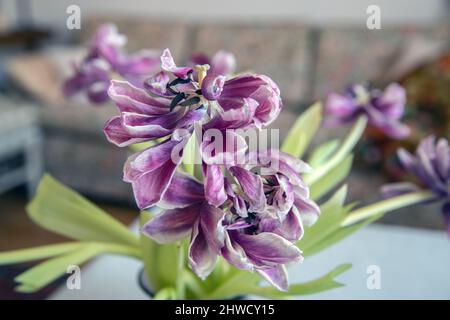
[[414, 264]]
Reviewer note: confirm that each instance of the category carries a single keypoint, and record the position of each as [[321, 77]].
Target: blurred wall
[[321, 12]]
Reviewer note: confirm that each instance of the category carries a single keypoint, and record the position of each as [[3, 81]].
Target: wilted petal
[[268, 249], [140, 125], [214, 184], [107, 43], [98, 92], [407, 160], [148, 160], [132, 99], [340, 106], [427, 169], [443, 159], [392, 101], [183, 191], [211, 224], [446, 212], [391, 127], [168, 64], [223, 62], [202, 256], [308, 210], [134, 67], [239, 204], [235, 255], [239, 118], [157, 84], [396, 189], [212, 86], [172, 225], [276, 276], [150, 186], [291, 228], [252, 186], [257, 87], [116, 133], [150, 171]]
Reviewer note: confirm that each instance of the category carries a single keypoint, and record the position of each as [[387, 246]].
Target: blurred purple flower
[[383, 108], [222, 62], [106, 58], [431, 167], [254, 229]]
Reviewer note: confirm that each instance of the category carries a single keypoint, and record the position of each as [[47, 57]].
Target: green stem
[[387, 206], [180, 274], [346, 147]]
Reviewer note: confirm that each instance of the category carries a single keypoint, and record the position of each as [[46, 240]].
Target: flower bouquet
[[222, 208]]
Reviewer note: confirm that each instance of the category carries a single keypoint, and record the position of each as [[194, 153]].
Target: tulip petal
[[252, 186], [396, 189], [223, 63], [214, 185], [168, 64], [211, 224], [446, 212], [172, 225], [276, 276], [150, 171], [183, 191], [129, 98], [308, 210], [116, 134], [392, 101], [235, 255], [340, 106], [268, 249], [202, 256]]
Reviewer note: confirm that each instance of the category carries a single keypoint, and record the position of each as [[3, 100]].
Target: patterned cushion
[[280, 51]]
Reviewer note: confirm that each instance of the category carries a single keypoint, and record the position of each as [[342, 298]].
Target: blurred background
[[310, 48]]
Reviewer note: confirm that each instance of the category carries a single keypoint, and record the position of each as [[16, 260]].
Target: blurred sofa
[[307, 62]]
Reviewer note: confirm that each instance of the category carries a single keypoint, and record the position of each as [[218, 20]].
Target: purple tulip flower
[[383, 108], [431, 167], [254, 229], [222, 62], [173, 101], [105, 58]]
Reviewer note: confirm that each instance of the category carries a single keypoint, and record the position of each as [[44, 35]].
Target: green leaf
[[166, 294], [331, 179], [41, 275], [62, 210], [332, 213], [190, 155], [64, 255], [22, 255], [338, 156], [340, 234], [160, 260], [322, 153], [303, 130], [239, 283], [323, 283], [244, 283]]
